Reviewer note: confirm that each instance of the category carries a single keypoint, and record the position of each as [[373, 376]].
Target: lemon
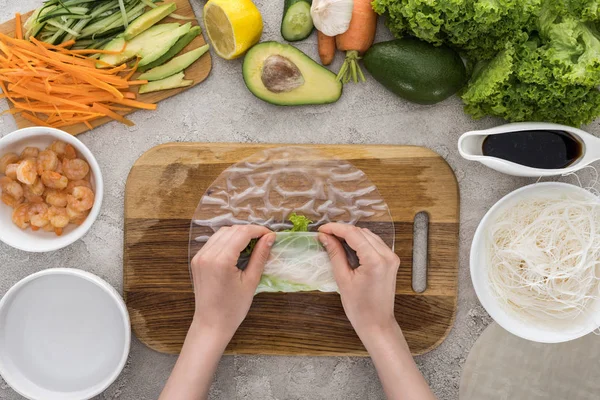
[[233, 26]]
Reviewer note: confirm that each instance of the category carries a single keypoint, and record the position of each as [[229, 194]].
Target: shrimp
[[38, 214], [20, 216], [29, 152], [54, 180], [11, 188], [63, 150], [82, 199], [75, 169], [37, 187], [73, 184], [56, 198], [26, 171], [30, 196], [8, 158], [59, 168], [10, 201], [11, 171], [47, 161], [58, 217], [77, 217]]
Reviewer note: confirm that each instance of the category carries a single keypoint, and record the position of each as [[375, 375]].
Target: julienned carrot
[[53, 86], [356, 40], [326, 47], [18, 26]]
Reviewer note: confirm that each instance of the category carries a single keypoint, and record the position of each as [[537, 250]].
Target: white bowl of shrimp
[[51, 188]]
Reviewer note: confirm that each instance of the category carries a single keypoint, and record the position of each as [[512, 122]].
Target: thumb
[[337, 255], [259, 257]]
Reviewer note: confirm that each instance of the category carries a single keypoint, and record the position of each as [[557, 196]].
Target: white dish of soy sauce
[[531, 149]]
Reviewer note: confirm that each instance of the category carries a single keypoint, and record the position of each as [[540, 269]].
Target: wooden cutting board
[[198, 71], [163, 191]]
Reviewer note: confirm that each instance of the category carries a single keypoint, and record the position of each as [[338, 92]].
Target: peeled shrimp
[[59, 168], [47, 161], [77, 217], [20, 216], [38, 214], [11, 188], [11, 171], [10, 201], [75, 169], [29, 152], [82, 199], [8, 158], [58, 217], [26, 171], [37, 187], [73, 184], [63, 150], [57, 198], [30, 196], [54, 180]]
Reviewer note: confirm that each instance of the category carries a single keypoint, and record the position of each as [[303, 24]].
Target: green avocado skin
[[415, 70]]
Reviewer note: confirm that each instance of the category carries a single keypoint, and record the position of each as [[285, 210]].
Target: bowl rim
[[47, 246], [480, 287], [101, 283]]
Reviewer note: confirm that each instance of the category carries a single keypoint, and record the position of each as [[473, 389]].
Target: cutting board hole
[[420, 251]]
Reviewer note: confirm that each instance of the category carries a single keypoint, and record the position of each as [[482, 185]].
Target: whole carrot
[[356, 40], [326, 47]]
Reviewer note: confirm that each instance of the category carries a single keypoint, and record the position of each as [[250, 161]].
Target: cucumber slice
[[172, 82], [174, 66], [177, 47], [297, 23]]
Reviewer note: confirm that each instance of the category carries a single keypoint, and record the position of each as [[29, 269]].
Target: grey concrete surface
[[222, 110]]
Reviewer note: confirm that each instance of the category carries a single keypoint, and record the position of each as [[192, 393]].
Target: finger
[[355, 238], [237, 237], [375, 241], [339, 263], [259, 258], [382, 247], [350, 233], [215, 238]]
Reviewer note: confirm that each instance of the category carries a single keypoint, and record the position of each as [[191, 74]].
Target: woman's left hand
[[223, 292]]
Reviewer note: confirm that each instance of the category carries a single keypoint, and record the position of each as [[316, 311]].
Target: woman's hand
[[368, 291], [223, 292]]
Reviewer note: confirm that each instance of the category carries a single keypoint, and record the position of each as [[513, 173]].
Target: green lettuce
[[535, 60]]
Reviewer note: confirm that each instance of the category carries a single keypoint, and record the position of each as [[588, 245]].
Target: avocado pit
[[279, 74]]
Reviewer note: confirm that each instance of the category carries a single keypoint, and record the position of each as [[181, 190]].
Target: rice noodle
[[545, 257]]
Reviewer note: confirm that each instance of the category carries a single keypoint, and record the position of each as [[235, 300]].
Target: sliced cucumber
[[172, 82], [148, 19], [177, 47], [152, 51], [152, 37], [174, 66], [296, 24]]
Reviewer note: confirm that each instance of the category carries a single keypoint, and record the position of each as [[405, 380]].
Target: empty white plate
[[64, 334]]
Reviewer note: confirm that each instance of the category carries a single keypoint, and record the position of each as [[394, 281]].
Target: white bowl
[[64, 335], [41, 241], [561, 331]]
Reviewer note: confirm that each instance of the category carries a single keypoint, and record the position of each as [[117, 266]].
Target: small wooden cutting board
[[197, 72], [163, 191]]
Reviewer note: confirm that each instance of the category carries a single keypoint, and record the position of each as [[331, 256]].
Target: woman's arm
[[224, 294], [368, 294]]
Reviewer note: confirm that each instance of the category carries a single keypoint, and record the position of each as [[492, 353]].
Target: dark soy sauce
[[536, 149]]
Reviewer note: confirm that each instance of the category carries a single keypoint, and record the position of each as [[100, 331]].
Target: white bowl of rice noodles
[[535, 262]]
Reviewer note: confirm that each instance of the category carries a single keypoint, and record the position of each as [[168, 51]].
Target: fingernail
[[324, 240], [271, 240]]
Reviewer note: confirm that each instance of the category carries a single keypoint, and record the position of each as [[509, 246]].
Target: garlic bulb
[[331, 17]]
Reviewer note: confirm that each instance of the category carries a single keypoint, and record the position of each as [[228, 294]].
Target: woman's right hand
[[367, 292]]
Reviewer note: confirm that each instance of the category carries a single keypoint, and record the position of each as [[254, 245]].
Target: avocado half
[[283, 75]]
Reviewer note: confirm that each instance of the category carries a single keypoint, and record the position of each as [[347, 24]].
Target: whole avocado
[[415, 70]]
